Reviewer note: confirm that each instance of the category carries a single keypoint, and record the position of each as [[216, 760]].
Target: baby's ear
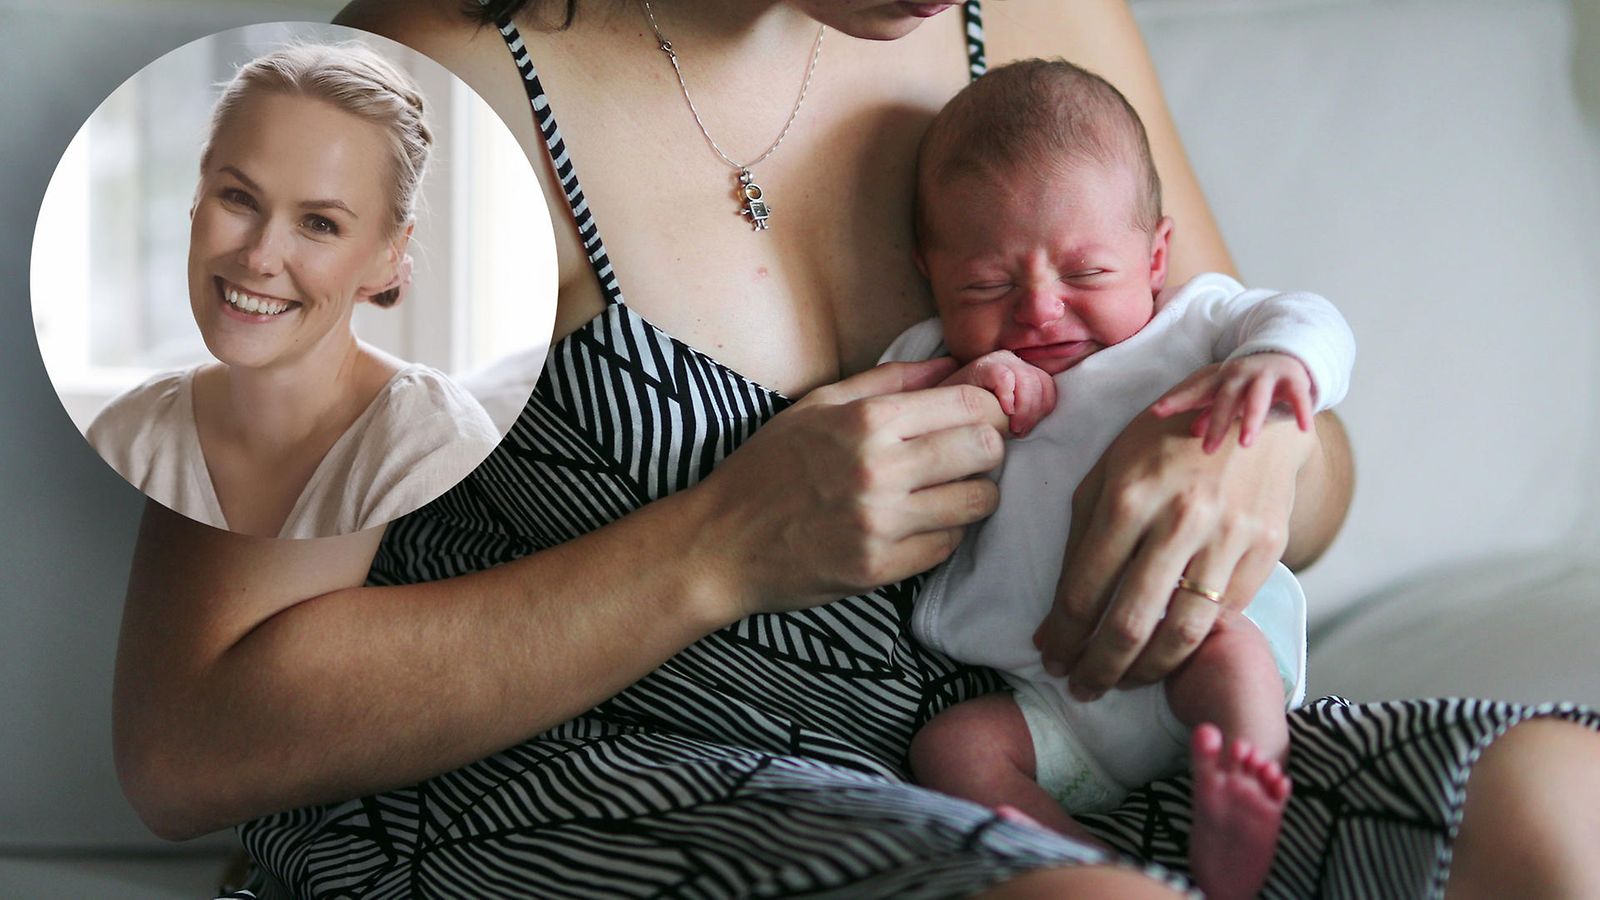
[[1160, 242]]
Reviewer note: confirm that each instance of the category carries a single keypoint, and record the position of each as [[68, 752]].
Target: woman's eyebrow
[[328, 204], [305, 204], [246, 179]]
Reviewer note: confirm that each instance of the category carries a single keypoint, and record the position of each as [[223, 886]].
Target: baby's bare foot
[[1239, 797]]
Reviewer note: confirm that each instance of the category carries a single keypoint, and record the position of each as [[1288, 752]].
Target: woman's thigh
[[1085, 882], [1532, 816]]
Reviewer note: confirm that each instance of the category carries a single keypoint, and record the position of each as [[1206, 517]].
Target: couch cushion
[[1512, 628]]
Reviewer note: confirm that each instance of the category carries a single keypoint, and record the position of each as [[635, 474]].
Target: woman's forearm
[[1322, 494], [222, 714]]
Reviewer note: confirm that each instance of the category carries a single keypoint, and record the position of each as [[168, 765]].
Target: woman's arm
[[255, 675], [1155, 509]]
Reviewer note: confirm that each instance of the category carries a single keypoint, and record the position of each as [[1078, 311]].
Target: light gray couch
[[1433, 166]]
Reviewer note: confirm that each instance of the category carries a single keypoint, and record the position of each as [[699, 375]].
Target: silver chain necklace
[[750, 193]]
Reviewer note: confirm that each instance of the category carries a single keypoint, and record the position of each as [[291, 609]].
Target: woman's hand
[[860, 484], [1157, 508]]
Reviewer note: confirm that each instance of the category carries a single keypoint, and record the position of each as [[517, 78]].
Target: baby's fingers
[[1223, 412], [1299, 398], [1194, 392], [1036, 397], [1003, 383], [1258, 401]]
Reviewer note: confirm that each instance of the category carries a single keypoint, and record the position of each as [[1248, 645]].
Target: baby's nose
[[1040, 306]]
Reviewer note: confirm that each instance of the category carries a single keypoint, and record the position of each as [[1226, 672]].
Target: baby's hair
[[1040, 115], [356, 80]]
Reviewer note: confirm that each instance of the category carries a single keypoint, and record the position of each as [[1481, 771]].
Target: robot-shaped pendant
[[754, 206]]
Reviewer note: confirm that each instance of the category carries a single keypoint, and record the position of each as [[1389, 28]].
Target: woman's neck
[[272, 411], [717, 27]]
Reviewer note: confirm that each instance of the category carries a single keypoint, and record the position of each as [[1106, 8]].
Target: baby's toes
[[1239, 756], [1206, 742]]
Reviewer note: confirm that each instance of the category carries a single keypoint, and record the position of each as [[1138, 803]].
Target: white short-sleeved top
[[417, 438]]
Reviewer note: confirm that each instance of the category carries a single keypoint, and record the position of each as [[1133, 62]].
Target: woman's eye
[[321, 225], [236, 197]]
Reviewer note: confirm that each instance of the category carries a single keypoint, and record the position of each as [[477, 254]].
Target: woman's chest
[[829, 281]]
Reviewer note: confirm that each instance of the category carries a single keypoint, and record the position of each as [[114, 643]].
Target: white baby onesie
[[983, 604]]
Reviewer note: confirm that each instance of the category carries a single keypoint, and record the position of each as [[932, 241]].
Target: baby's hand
[[1026, 392], [1245, 388]]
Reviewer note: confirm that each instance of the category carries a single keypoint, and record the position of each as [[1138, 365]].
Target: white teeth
[[252, 304]]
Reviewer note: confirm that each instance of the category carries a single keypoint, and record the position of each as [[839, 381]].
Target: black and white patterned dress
[[769, 758]]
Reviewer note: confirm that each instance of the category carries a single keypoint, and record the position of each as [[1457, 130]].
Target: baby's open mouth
[[253, 304]]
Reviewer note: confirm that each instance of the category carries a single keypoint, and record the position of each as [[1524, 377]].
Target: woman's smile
[[251, 306]]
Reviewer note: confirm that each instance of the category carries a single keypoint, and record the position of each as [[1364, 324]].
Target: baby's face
[[1051, 268]]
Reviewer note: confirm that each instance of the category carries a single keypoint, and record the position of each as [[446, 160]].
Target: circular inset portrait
[[293, 280]]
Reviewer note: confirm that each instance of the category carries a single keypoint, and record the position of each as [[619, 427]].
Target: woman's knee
[[1536, 760], [1532, 814]]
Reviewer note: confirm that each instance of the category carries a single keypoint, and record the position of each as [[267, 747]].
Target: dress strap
[[977, 62], [545, 118]]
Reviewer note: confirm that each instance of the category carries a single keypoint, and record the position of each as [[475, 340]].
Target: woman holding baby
[[658, 643]]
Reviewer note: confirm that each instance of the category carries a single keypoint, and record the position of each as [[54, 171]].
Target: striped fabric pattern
[[977, 60], [768, 759]]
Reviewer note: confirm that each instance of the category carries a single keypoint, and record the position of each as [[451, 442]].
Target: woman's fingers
[[1141, 600], [889, 378], [1189, 620], [943, 456], [1103, 535], [1190, 616], [910, 416], [952, 505], [1252, 572], [921, 552], [855, 507]]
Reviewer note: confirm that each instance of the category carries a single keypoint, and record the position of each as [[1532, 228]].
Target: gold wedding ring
[[1185, 584]]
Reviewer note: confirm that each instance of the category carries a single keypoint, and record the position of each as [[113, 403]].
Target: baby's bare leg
[[1231, 688], [1232, 682], [981, 750]]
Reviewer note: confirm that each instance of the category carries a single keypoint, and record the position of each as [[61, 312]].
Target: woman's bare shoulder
[[412, 22], [441, 29], [1100, 35]]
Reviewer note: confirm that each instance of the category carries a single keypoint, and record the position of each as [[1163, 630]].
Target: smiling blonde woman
[[299, 429]]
